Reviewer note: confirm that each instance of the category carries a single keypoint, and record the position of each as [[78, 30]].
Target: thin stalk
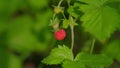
[[72, 37], [92, 46], [57, 6], [60, 3], [54, 16], [68, 3], [72, 28], [63, 15]]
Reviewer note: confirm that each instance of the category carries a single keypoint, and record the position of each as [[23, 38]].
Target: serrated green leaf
[[99, 20], [53, 60], [94, 61], [65, 23], [58, 55], [72, 64]]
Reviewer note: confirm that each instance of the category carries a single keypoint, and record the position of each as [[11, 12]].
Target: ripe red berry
[[60, 34]]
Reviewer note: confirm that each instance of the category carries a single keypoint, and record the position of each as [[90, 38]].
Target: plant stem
[[68, 3], [92, 46], [72, 37], [64, 15], [71, 27], [54, 16], [57, 6], [60, 3]]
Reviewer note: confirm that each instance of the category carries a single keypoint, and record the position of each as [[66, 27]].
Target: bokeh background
[[25, 34], [26, 37]]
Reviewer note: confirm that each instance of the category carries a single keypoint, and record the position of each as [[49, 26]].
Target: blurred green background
[[26, 37]]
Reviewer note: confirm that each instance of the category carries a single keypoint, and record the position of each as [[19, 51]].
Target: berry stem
[[64, 15], [53, 18], [68, 3], [72, 37], [92, 46], [59, 3], [72, 28], [57, 6]]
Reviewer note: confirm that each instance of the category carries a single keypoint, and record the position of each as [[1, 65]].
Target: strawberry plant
[[59, 33], [99, 19]]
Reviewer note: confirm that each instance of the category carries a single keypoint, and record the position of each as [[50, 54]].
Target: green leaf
[[113, 49], [73, 11], [94, 2], [58, 55], [65, 23], [100, 20], [94, 61], [115, 5], [53, 60], [72, 64]]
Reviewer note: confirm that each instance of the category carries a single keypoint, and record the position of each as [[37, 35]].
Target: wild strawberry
[[56, 26], [57, 10], [60, 34]]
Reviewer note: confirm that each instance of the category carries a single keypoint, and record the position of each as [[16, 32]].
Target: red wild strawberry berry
[[60, 34]]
